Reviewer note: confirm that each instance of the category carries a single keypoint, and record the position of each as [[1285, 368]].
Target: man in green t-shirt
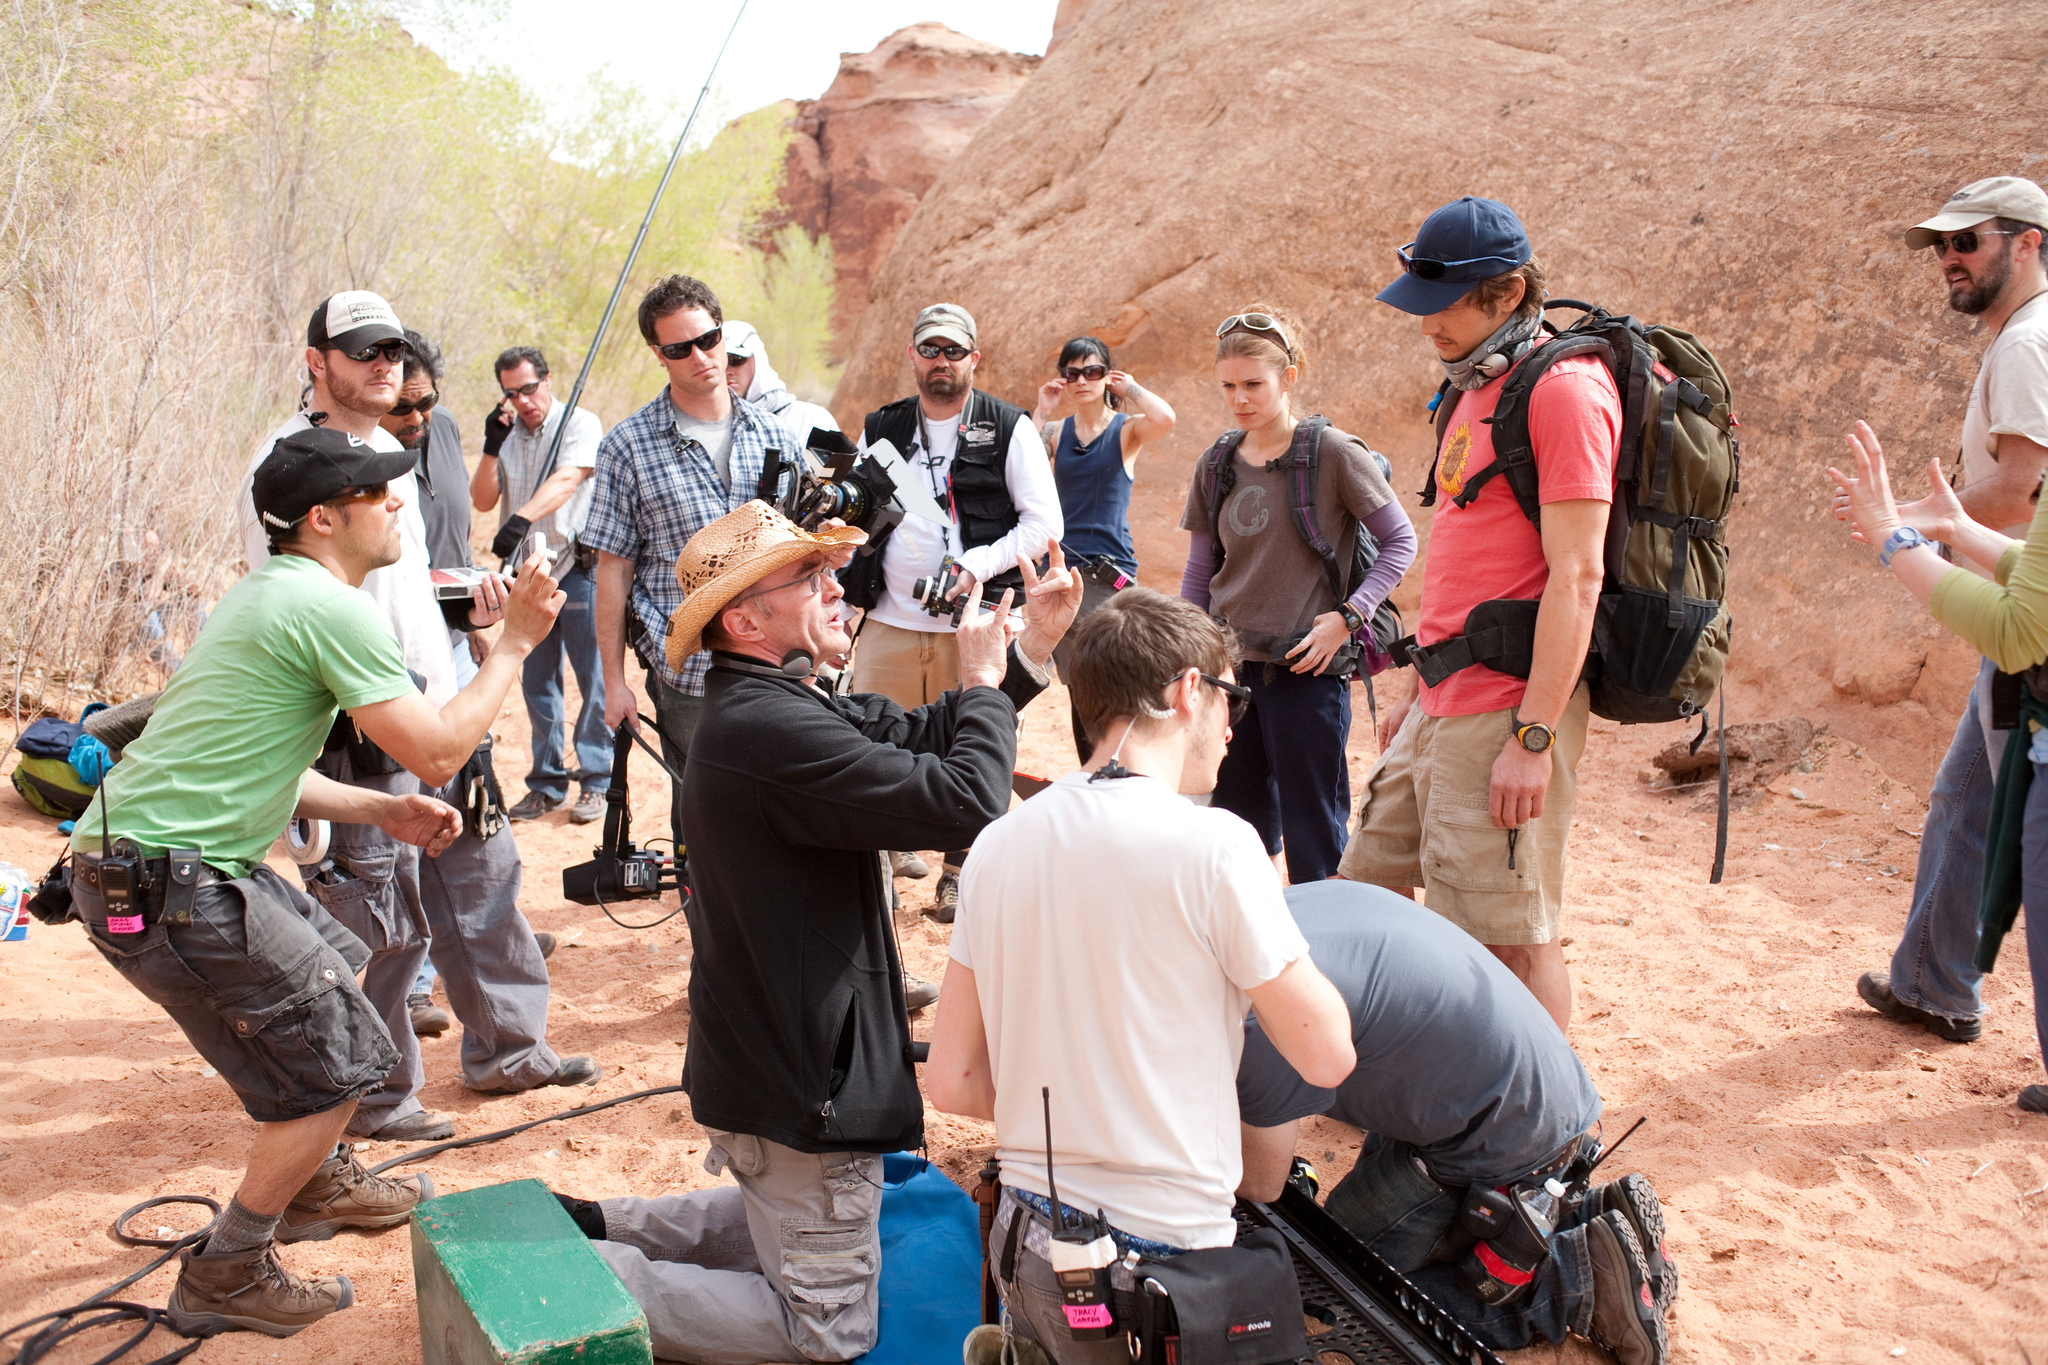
[[168, 873]]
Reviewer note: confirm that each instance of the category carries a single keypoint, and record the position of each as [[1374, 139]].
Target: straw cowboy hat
[[731, 555]]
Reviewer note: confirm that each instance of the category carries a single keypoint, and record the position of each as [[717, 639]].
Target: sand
[[1838, 1187]]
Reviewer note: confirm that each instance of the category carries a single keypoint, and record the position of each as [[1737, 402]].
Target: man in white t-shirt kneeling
[[1110, 938]]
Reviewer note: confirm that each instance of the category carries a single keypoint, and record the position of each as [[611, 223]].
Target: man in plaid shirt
[[686, 459]]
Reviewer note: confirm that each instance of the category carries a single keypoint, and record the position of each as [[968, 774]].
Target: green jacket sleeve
[[2008, 624]]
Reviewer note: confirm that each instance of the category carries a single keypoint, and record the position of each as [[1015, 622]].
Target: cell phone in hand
[[536, 543]]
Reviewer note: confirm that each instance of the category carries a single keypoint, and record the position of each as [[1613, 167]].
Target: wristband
[[1905, 538]]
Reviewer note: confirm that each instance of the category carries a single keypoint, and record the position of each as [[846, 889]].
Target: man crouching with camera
[[799, 1065]]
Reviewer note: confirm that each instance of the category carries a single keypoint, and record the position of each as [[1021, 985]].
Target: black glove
[[509, 536], [497, 427]]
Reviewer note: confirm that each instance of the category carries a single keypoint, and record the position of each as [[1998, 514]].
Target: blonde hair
[[1262, 347]]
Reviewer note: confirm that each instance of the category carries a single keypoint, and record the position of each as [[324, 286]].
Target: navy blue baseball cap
[[1459, 245]]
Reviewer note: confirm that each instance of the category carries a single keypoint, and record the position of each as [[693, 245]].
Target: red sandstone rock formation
[[867, 151], [1743, 171]]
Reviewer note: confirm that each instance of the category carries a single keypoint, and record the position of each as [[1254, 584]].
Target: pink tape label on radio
[[1087, 1315], [124, 924]]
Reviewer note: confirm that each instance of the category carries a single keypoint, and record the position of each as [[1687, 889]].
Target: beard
[[1975, 297], [350, 396], [943, 383]]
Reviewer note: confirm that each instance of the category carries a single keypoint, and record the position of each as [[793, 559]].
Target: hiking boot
[[1876, 990], [423, 1125], [1632, 1197], [984, 1346], [917, 993], [909, 865], [546, 941], [945, 898], [342, 1194], [429, 1020], [589, 807], [533, 805], [1625, 1316], [249, 1291], [2034, 1099], [570, 1071]]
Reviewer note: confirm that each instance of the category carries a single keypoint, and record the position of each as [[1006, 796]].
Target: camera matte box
[[503, 1277]]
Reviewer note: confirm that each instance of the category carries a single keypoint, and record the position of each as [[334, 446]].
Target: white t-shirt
[[2010, 396], [1113, 929], [404, 592], [520, 461], [916, 547]]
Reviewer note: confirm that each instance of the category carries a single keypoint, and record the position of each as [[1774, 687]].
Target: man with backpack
[[1472, 797]]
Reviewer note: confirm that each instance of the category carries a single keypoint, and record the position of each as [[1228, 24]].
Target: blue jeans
[[1931, 967], [574, 637], [1388, 1203], [1285, 773]]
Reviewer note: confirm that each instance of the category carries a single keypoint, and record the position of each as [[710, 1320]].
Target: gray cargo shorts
[[262, 981]]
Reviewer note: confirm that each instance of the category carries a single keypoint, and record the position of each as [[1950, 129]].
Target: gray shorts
[[262, 981]]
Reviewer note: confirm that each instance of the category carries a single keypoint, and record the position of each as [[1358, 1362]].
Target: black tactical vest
[[980, 499]]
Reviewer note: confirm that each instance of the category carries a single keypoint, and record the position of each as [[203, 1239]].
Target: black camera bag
[[1234, 1305]]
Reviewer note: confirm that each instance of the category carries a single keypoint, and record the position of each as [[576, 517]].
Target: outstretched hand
[[983, 641], [1051, 602], [1866, 490]]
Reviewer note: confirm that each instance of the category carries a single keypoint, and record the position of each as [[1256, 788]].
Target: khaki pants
[[909, 667], [1425, 823]]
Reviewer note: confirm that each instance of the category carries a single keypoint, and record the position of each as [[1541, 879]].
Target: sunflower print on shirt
[[1457, 453]]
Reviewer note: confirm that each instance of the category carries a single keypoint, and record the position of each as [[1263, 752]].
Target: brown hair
[[1488, 295], [1263, 347], [1128, 649]]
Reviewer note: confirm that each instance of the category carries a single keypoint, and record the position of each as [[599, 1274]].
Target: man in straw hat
[[799, 1063]]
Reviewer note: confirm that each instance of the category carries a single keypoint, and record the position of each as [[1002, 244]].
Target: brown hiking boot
[[249, 1291], [342, 1194]]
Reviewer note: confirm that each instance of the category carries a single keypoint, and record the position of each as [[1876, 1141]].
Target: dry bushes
[[181, 182]]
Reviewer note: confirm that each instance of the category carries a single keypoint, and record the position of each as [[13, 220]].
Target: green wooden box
[[504, 1277]]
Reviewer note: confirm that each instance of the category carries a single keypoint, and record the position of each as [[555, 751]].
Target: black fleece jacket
[[797, 1026]]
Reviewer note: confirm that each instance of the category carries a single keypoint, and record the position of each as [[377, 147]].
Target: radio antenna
[[1059, 1221], [633, 255]]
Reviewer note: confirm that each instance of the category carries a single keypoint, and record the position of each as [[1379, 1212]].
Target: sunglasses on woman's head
[[419, 405], [1091, 373], [932, 350], [391, 351], [676, 350], [1255, 322]]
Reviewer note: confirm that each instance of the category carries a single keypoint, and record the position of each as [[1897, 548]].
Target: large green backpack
[[1660, 639]]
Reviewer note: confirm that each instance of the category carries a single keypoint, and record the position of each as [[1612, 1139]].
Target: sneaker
[[342, 1194], [533, 805], [429, 1020], [422, 1126], [909, 865], [570, 1071], [984, 1346], [1632, 1197], [1876, 990], [589, 807], [546, 941], [917, 993], [945, 898], [249, 1291], [2034, 1099], [1625, 1316]]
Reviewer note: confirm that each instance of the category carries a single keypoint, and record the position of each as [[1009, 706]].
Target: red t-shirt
[[1489, 549]]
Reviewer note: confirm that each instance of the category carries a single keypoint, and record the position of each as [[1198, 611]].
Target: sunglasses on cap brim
[[1423, 268]]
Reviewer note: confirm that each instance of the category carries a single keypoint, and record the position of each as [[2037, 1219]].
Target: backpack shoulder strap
[[1303, 470], [1440, 407], [1218, 471], [1514, 454]]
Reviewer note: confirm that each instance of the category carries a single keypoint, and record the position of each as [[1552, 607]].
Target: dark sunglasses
[[676, 350], [368, 492], [1964, 243], [932, 350], [421, 405], [1255, 322], [1240, 695], [1091, 373], [526, 390], [391, 351]]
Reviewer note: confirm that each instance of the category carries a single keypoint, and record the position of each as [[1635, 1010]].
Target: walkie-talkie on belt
[[120, 876], [1080, 1257]]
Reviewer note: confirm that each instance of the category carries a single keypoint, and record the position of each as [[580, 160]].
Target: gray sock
[[240, 1230]]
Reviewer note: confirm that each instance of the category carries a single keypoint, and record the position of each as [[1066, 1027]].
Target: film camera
[[621, 871], [871, 490]]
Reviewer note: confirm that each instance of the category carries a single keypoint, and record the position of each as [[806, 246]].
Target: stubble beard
[[349, 396], [1979, 295]]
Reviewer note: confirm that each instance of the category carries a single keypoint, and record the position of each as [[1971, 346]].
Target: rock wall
[[1744, 171], [867, 150]]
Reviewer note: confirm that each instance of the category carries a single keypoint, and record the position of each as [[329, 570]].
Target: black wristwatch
[[1534, 736], [1353, 618]]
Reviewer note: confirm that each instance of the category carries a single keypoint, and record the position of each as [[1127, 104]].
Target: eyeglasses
[[422, 406], [812, 584], [1964, 243], [676, 350], [932, 350], [391, 351], [368, 492], [526, 390], [1091, 373], [1255, 322], [1240, 695]]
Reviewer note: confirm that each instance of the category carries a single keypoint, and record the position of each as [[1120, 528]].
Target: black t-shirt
[[1455, 1056]]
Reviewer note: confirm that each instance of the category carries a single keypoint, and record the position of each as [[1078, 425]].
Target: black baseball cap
[[308, 467], [351, 320]]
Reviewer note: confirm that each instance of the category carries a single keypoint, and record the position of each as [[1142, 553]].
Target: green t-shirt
[[220, 765]]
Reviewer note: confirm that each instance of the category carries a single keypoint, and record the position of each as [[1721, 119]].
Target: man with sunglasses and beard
[[983, 461], [1987, 243], [686, 459]]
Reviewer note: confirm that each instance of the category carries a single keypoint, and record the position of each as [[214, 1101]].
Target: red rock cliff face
[[868, 150], [1743, 171]]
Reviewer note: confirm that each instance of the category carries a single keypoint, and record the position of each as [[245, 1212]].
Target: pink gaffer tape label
[[1087, 1315], [124, 924]]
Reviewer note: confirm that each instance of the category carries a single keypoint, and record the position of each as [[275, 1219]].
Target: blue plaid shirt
[[655, 488]]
